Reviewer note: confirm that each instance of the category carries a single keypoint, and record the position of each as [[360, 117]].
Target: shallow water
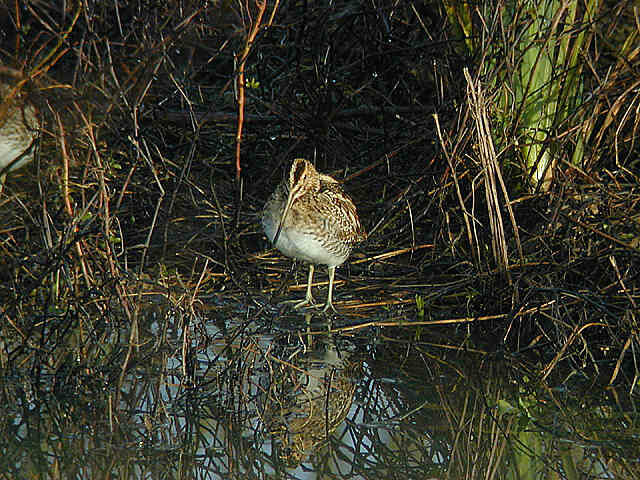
[[288, 398]]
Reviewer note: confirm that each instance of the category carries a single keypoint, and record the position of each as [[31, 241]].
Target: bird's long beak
[[282, 218]]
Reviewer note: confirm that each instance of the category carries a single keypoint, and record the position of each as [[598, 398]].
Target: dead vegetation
[[132, 215]]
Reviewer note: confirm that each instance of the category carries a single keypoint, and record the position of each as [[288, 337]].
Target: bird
[[309, 398], [309, 217], [18, 131]]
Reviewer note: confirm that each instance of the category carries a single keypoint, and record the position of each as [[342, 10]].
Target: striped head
[[303, 178]]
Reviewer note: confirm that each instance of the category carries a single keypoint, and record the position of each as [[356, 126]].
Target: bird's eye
[[298, 172]]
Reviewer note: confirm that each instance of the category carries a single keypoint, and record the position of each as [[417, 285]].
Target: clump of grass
[[533, 56]]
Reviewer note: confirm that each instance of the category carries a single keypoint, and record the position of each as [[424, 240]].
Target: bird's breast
[[305, 245]]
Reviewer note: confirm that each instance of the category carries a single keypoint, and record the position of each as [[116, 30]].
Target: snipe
[[310, 218], [18, 131], [309, 397]]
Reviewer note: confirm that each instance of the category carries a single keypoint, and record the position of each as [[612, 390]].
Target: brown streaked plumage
[[18, 131], [310, 396], [311, 218]]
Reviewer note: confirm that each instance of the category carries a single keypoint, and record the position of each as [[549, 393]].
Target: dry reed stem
[[387, 255], [490, 171], [411, 323], [577, 331], [602, 234], [240, 84], [468, 218]]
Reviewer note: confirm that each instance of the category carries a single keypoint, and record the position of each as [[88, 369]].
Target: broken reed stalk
[[492, 176]]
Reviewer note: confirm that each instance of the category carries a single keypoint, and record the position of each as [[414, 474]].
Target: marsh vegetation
[[487, 328]]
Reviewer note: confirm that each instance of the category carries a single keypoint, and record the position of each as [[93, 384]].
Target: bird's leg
[[308, 299], [329, 304]]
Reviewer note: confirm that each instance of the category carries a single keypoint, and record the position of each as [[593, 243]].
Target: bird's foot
[[329, 306], [307, 302], [304, 303]]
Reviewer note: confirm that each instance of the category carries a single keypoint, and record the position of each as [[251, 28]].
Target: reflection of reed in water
[[309, 400]]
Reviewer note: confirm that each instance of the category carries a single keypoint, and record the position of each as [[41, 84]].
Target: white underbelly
[[10, 150], [301, 245]]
